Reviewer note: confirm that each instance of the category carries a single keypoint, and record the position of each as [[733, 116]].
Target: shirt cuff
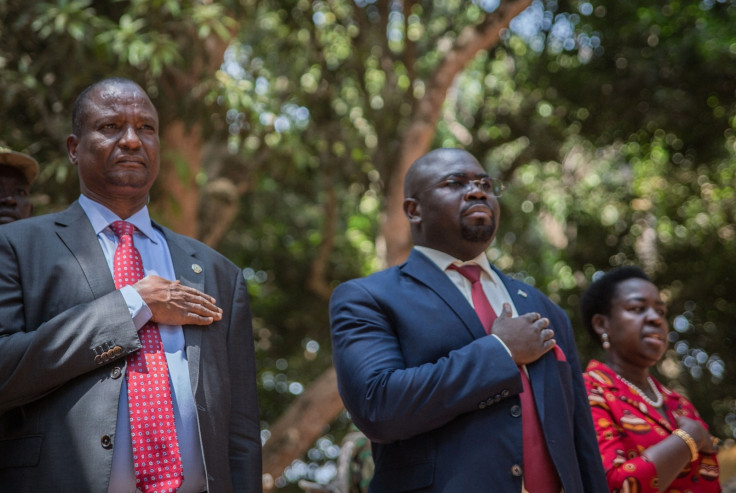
[[139, 311], [504, 345]]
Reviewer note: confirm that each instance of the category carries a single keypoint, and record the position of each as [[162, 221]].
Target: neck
[[634, 374], [123, 208]]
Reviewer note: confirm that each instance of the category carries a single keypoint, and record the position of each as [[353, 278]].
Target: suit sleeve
[[245, 438], [390, 400], [38, 358]]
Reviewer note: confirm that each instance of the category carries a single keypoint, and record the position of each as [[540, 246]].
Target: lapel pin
[[522, 293], [196, 268]]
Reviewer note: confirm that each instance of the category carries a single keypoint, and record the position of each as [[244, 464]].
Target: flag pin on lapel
[[522, 293], [197, 268]]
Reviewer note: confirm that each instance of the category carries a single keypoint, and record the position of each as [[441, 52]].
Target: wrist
[[689, 441]]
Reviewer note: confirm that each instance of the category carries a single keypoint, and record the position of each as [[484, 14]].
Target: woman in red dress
[[651, 438]]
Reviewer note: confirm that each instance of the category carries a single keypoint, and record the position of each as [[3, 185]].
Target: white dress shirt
[[156, 257], [493, 288]]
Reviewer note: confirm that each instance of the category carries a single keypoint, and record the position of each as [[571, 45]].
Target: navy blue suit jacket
[[440, 400]]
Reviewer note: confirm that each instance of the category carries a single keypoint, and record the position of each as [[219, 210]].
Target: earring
[[605, 343]]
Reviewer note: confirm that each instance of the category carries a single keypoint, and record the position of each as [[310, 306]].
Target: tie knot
[[470, 272], [121, 228]]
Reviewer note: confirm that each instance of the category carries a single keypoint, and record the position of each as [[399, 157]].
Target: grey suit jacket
[[65, 333]]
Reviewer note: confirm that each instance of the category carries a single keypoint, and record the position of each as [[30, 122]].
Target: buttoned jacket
[[65, 333], [439, 398]]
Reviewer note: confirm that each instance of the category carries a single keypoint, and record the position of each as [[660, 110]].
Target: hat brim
[[25, 163]]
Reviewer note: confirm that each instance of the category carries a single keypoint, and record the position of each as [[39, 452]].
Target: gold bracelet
[[688, 441]]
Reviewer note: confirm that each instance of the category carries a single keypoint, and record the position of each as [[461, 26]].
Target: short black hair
[[78, 110], [599, 295]]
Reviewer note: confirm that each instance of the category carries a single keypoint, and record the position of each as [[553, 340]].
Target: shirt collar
[[101, 217], [444, 260]]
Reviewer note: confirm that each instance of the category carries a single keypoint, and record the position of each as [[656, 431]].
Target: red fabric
[[156, 456], [626, 426], [540, 475], [480, 301]]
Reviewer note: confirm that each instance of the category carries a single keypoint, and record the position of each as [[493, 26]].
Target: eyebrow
[[464, 175], [643, 299]]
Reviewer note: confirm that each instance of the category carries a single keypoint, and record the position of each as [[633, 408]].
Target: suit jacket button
[[515, 411], [106, 442], [98, 359], [516, 470], [482, 405], [117, 350], [504, 393], [116, 373]]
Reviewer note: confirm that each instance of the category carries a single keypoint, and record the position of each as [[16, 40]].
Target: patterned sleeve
[[626, 469]]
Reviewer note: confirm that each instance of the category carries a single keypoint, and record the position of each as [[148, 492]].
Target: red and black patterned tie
[[156, 456]]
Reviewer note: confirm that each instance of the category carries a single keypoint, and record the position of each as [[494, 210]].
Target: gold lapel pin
[[197, 268]]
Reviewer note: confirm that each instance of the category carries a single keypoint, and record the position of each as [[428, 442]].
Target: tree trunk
[[180, 165], [422, 128], [300, 426]]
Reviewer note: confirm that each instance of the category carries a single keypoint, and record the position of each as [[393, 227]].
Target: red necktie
[[156, 458], [540, 475], [480, 301]]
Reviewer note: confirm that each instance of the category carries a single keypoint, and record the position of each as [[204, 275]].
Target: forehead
[[636, 288], [12, 174], [120, 98], [451, 163]]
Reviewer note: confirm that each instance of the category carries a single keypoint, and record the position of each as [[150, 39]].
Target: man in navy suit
[[440, 399], [67, 333]]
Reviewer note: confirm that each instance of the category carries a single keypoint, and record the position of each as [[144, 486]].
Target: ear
[[413, 210], [71, 148], [600, 323]]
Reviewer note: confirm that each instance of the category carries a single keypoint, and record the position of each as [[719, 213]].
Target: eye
[[454, 182], [486, 184]]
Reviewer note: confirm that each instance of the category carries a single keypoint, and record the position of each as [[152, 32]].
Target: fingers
[[173, 303], [506, 311]]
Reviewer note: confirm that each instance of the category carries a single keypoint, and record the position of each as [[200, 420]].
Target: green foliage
[[614, 127]]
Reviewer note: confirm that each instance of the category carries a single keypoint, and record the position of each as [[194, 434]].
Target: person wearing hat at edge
[[17, 173]]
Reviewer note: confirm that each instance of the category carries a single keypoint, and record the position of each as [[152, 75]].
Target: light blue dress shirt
[[154, 251]]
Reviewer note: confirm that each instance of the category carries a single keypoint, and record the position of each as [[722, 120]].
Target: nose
[[130, 138], [654, 317], [474, 190], [7, 198]]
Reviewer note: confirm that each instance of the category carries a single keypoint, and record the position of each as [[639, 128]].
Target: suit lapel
[[426, 272], [75, 231], [190, 271]]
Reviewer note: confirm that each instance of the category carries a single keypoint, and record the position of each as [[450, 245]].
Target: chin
[[478, 234]]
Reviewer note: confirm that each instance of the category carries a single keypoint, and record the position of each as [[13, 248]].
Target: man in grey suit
[[66, 332]]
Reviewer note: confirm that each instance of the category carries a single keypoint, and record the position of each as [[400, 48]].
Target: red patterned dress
[[626, 426]]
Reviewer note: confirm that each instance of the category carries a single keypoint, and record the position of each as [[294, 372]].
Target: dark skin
[[462, 221], [637, 330], [15, 202], [117, 157]]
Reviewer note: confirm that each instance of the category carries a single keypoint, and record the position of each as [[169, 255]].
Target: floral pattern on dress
[[626, 426]]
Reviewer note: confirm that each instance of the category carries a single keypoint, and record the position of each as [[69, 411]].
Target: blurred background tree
[[287, 126]]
